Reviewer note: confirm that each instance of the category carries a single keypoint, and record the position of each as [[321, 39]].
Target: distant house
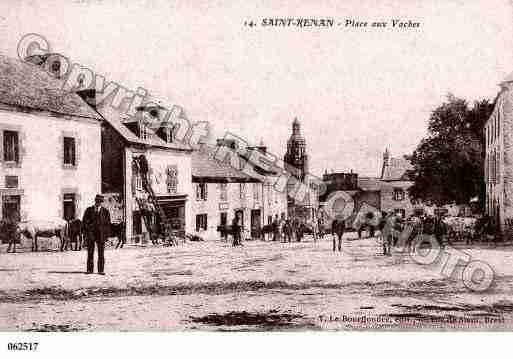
[[363, 191], [50, 152], [395, 182], [388, 192]]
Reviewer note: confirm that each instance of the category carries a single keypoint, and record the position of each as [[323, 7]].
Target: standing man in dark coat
[[97, 227], [439, 229], [275, 227], [338, 228], [236, 230]]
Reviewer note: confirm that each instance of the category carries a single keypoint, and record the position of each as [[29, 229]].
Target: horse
[[267, 229], [40, 228], [224, 231], [74, 234]]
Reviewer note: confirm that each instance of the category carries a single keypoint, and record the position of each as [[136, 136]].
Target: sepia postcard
[[230, 166]]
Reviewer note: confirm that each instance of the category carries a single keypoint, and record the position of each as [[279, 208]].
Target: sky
[[355, 91]]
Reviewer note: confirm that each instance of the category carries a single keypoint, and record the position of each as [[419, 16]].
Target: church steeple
[[386, 162], [296, 156]]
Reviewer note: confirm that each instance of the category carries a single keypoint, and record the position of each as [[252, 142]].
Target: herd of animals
[[71, 233]]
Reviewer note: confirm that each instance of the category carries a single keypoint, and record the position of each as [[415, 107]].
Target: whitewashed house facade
[[169, 169], [50, 146]]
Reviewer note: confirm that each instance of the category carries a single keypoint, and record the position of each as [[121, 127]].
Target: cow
[[33, 229], [367, 221], [460, 228]]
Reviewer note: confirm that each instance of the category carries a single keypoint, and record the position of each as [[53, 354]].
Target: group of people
[[393, 228], [286, 229]]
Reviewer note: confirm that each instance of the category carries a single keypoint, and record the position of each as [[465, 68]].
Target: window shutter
[[16, 148], [73, 151]]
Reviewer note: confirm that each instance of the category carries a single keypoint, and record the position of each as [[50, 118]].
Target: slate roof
[[397, 169], [27, 85], [114, 118], [206, 168]]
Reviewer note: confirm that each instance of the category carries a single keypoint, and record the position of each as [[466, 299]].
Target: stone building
[[365, 193], [388, 192], [222, 189], [169, 170], [395, 182], [51, 146], [499, 156]]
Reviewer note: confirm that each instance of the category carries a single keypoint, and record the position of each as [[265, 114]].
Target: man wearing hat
[[97, 227]]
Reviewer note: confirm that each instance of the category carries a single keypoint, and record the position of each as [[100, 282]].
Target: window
[[69, 151], [486, 170], [242, 190], [69, 208], [11, 146], [136, 179], [172, 179], [223, 191], [201, 192], [56, 68], [398, 194], [240, 213], [201, 222], [144, 131], [256, 192], [401, 212], [11, 181], [497, 167], [497, 126]]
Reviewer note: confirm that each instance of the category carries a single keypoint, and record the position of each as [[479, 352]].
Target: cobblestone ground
[[260, 286]]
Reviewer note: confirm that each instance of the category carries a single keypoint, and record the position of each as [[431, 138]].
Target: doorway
[[241, 211], [11, 208], [255, 223]]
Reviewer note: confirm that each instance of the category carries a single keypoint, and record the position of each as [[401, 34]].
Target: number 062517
[[22, 346]]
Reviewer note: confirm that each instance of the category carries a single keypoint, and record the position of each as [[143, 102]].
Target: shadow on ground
[[271, 320]]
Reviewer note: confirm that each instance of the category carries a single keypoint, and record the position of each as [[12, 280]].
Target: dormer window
[[154, 113], [144, 132], [56, 67], [165, 132]]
